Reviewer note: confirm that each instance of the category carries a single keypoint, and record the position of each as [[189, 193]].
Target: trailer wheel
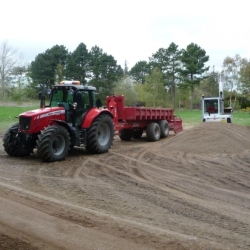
[[53, 143], [153, 132], [12, 144], [137, 134], [100, 135], [164, 127], [125, 134]]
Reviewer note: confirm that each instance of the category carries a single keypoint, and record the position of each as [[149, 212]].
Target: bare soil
[[188, 191]]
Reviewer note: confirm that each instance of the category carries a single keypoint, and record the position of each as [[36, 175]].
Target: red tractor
[[72, 118]]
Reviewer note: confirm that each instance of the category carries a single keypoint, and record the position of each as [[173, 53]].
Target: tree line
[[171, 77]]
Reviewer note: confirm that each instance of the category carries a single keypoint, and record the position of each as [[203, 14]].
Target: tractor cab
[[76, 99]]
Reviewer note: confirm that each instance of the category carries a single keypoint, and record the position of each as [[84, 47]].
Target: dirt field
[[188, 191]]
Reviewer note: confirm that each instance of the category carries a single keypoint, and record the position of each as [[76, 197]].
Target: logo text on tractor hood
[[52, 113]]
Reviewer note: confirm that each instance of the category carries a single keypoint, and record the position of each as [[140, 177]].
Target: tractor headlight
[[24, 123]]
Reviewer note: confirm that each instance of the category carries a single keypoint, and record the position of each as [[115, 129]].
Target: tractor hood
[[36, 120], [44, 112]]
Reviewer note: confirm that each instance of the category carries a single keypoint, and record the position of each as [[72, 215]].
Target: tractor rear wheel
[[125, 134], [13, 145], [100, 135], [164, 127], [53, 143], [153, 132]]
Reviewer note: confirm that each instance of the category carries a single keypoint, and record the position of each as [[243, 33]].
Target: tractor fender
[[73, 131], [92, 114], [63, 124]]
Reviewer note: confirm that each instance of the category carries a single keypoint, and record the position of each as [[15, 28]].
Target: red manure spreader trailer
[[131, 122], [74, 119]]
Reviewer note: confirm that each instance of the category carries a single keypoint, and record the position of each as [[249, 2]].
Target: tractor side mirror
[[98, 103], [74, 105], [71, 91]]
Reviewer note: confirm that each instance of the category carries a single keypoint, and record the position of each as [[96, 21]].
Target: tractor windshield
[[211, 106], [61, 96], [66, 97]]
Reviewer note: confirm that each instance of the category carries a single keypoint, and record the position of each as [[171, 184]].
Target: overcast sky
[[130, 30]]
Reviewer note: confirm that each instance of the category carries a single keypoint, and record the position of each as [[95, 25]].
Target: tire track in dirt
[[202, 196], [135, 167], [102, 222], [143, 153], [209, 211], [75, 170], [156, 167], [212, 167], [173, 185]]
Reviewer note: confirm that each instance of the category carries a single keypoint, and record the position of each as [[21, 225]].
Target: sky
[[131, 30]]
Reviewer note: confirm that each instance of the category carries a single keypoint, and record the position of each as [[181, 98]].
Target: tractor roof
[[73, 85]]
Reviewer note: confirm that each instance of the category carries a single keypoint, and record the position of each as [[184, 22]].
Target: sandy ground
[[188, 191]]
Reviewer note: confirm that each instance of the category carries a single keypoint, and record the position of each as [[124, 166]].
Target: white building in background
[[19, 81]]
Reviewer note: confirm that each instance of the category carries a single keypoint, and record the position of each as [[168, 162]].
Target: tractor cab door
[[84, 102], [63, 98]]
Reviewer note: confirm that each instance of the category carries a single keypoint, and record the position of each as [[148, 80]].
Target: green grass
[[9, 114], [194, 117], [187, 116], [241, 118]]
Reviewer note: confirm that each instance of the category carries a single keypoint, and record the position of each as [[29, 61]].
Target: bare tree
[[231, 70], [8, 60]]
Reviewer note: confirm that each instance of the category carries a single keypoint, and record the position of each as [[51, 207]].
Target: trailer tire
[[125, 134], [164, 127], [12, 145], [53, 143], [100, 135], [153, 132], [137, 134]]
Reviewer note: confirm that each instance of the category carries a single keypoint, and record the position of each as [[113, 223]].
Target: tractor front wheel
[[53, 143], [100, 135], [13, 144]]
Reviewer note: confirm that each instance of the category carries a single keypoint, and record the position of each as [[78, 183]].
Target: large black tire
[[153, 132], [100, 135], [12, 145], [53, 143], [164, 127], [137, 134], [125, 134]]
